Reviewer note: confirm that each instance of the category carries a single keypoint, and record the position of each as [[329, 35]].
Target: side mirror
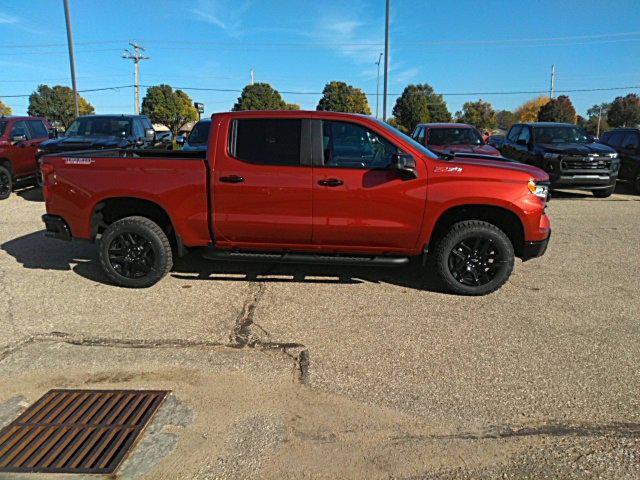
[[18, 138], [404, 163], [181, 140], [150, 134], [522, 142]]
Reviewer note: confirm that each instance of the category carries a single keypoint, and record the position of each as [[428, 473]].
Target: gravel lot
[[297, 371]]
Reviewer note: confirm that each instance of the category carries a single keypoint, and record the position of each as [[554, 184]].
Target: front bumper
[[56, 227], [535, 249]]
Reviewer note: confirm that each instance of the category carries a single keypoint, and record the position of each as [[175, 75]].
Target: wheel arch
[[501, 217], [5, 162]]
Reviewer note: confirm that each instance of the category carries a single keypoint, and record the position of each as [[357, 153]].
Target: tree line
[[417, 104]]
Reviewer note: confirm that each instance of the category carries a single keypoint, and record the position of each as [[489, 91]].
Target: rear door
[[262, 183], [359, 203]]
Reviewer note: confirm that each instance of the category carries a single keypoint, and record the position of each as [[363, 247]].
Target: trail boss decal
[[78, 161]]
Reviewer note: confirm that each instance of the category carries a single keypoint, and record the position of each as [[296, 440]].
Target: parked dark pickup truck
[[297, 187], [571, 157], [19, 139], [452, 138], [626, 141]]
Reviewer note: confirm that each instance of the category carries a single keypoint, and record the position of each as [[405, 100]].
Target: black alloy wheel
[[476, 261], [131, 255], [6, 184]]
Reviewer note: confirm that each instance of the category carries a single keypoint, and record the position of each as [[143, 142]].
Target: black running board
[[277, 257]]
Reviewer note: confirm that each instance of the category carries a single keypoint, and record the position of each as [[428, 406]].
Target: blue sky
[[298, 46]]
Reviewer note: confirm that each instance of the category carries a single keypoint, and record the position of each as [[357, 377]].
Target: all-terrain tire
[[492, 276], [604, 192], [144, 245], [6, 183]]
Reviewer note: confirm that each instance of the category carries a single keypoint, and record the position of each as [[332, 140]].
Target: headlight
[[551, 156], [540, 190]]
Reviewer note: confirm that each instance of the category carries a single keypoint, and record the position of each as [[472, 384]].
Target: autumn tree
[[528, 111], [505, 119], [558, 110], [341, 97], [419, 104], [260, 96], [57, 105], [4, 109], [624, 111], [171, 108], [480, 114]]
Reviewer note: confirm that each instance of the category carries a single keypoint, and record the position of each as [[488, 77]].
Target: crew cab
[[19, 139], [452, 138], [571, 157], [626, 142], [94, 132], [297, 186]]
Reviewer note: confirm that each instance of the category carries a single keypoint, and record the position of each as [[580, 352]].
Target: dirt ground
[[324, 372]]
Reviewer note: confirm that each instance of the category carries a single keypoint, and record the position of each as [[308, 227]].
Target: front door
[[358, 202], [23, 158], [262, 184]]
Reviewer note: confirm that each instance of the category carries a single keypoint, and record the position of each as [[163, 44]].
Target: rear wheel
[[6, 182], [604, 192], [474, 258], [135, 252]]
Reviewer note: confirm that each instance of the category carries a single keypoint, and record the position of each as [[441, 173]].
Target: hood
[[536, 173], [576, 148], [83, 143], [480, 149]]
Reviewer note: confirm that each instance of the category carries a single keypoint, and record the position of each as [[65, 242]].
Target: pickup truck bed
[[300, 186]]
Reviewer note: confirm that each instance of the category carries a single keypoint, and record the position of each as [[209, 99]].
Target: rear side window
[[514, 132], [630, 140], [266, 141], [615, 140], [37, 128], [20, 128]]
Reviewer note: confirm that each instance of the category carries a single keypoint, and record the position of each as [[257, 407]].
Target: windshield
[[200, 133], [555, 134], [453, 136], [406, 138], [109, 126], [3, 126]]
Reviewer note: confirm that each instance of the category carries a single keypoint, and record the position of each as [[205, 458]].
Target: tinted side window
[[267, 141], [630, 140], [605, 137], [20, 128], [616, 139], [350, 145], [146, 123], [514, 132], [138, 129], [421, 135], [37, 128], [525, 134]]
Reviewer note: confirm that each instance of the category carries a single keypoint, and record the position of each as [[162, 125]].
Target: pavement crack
[[6, 292]]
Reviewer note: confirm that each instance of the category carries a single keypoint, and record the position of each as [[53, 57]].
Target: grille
[[77, 431], [585, 163]]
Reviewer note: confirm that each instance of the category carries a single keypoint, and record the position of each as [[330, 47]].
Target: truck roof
[[445, 125], [20, 117], [114, 115], [547, 124]]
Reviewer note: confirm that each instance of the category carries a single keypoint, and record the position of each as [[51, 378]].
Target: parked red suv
[[297, 187], [19, 140], [452, 138]]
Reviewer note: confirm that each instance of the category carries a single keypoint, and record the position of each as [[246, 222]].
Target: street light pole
[[378, 84], [386, 64], [72, 60]]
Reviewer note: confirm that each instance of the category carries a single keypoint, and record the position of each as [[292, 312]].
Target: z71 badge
[[78, 161], [447, 170]]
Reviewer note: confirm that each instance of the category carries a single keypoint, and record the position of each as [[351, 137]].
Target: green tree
[[57, 105], [4, 109], [480, 114], [558, 110], [505, 119], [624, 111], [418, 104], [171, 108], [259, 96], [528, 111], [292, 106], [340, 97], [596, 121]]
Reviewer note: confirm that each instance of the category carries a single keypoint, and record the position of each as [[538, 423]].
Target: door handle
[[331, 182], [232, 179]]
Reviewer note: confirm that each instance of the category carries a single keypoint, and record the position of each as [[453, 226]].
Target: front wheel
[[135, 252], [604, 192], [6, 182], [474, 258]]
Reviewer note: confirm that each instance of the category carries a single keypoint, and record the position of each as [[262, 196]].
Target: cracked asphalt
[[322, 372]]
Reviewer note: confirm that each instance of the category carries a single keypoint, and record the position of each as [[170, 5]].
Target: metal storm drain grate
[[77, 431]]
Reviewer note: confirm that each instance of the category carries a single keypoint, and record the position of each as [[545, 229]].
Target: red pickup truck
[[300, 187], [19, 140]]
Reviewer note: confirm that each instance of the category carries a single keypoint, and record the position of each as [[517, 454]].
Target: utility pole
[[378, 84], [386, 63], [599, 118], [252, 76], [552, 88], [72, 60], [136, 56]]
